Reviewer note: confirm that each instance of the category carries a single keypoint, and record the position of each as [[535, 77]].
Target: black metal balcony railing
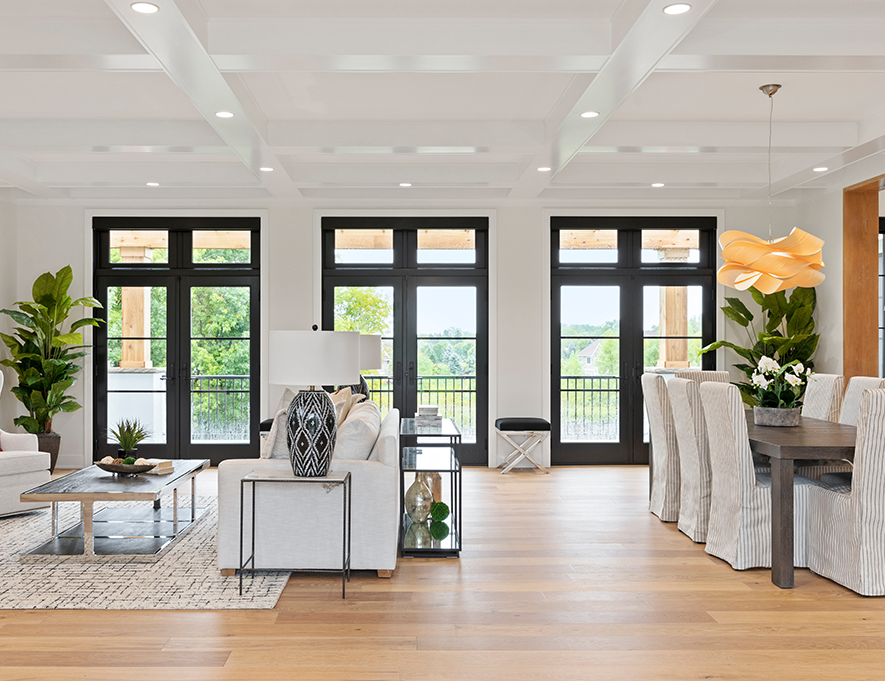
[[589, 408], [455, 396], [220, 408], [220, 404]]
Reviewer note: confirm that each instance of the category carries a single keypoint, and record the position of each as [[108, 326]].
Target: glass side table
[[432, 539], [331, 480]]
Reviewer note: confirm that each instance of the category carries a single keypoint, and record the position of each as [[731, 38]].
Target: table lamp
[[370, 358], [312, 358]]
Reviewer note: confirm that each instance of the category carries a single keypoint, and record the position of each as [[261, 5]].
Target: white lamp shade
[[370, 352], [303, 358]]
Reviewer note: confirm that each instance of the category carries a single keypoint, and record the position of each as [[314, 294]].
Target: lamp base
[[311, 427]]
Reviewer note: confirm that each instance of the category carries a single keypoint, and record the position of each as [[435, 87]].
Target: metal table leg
[[88, 539]]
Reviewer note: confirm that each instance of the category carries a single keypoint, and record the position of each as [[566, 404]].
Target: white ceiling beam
[[772, 63], [128, 136], [651, 37], [435, 63], [712, 134], [785, 37], [171, 40], [475, 37], [407, 136], [20, 173], [833, 164]]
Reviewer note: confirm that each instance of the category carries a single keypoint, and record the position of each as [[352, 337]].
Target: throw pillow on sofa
[[344, 400], [357, 435]]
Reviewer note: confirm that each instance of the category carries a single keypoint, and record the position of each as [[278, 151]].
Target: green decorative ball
[[129, 460], [439, 511], [438, 530]]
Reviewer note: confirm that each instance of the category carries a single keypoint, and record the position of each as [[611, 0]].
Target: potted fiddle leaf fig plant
[[785, 334], [44, 355]]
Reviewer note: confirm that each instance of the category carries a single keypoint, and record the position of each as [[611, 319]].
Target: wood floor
[[565, 576]]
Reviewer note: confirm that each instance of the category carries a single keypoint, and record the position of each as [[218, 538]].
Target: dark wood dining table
[[811, 439]]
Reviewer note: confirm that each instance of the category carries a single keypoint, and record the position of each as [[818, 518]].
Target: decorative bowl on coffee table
[[123, 469]]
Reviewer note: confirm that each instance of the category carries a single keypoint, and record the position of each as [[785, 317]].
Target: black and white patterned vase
[[311, 426]]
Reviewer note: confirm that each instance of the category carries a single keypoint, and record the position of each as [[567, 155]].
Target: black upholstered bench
[[534, 430]]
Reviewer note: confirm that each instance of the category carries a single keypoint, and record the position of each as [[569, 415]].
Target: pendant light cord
[[770, 117]]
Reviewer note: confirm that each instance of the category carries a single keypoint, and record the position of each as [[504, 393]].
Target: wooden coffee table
[[129, 533]]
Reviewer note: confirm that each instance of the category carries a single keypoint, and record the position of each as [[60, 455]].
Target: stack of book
[[428, 415], [161, 466]]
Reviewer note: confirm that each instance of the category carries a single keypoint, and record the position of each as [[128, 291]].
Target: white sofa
[[22, 467], [297, 528]]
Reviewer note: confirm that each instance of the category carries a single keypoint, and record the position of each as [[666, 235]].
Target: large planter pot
[[771, 416], [50, 442]]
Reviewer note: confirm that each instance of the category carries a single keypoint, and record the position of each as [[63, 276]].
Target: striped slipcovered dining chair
[[694, 458], [663, 449], [823, 400], [740, 501], [823, 397], [703, 376], [853, 395], [846, 542]]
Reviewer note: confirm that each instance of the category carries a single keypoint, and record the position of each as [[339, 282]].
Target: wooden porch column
[[860, 273], [135, 304], [674, 322]]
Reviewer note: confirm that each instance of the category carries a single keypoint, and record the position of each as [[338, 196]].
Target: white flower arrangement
[[780, 387]]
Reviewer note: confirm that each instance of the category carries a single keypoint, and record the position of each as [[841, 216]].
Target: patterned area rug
[[185, 578]]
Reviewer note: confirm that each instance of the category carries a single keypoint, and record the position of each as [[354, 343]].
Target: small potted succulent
[[128, 434]]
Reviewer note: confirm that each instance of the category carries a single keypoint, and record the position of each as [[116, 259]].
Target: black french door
[[433, 318], [179, 352], [616, 315]]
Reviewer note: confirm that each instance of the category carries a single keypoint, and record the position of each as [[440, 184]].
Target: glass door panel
[[135, 352], [590, 360], [369, 310], [220, 352], [446, 354]]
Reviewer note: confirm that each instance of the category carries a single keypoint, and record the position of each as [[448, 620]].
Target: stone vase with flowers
[[779, 390]]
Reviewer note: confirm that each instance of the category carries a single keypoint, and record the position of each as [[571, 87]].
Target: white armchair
[[22, 467]]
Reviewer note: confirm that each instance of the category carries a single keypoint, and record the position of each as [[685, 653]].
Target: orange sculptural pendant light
[[774, 264]]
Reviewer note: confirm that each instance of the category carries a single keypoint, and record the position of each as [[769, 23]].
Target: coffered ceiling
[[462, 99]]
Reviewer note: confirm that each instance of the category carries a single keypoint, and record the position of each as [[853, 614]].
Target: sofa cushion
[[357, 435], [12, 463], [275, 445], [344, 400]]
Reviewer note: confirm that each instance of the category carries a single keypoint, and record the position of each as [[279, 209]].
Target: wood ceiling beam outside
[[160, 239]]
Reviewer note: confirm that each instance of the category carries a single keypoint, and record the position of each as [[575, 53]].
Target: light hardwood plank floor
[[563, 576]]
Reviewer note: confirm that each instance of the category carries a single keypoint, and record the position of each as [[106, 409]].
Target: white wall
[[522, 350], [8, 235], [50, 237]]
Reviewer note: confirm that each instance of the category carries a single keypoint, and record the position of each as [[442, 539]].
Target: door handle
[[165, 377], [398, 377], [411, 373]]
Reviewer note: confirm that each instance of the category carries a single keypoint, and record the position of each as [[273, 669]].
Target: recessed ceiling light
[[822, 169], [224, 114], [544, 169], [658, 184], [153, 184], [266, 169], [145, 7], [678, 8], [590, 114], [405, 184]]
